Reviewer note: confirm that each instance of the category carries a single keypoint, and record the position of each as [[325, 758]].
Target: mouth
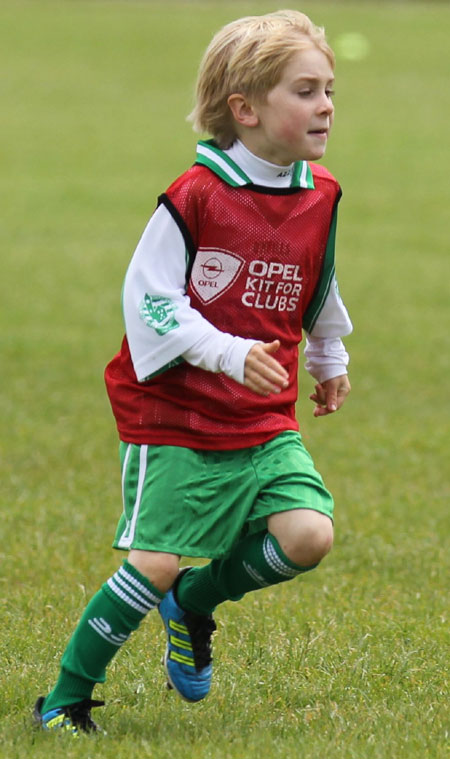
[[323, 133]]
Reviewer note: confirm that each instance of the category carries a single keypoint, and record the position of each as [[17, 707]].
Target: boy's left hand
[[330, 395]]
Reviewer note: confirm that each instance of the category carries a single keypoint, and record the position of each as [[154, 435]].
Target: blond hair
[[248, 56]]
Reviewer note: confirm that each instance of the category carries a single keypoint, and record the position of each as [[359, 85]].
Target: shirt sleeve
[[325, 353], [333, 319], [162, 327], [326, 357]]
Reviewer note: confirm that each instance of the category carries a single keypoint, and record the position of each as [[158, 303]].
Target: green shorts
[[199, 503]]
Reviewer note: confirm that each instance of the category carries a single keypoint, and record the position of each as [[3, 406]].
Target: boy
[[237, 259]]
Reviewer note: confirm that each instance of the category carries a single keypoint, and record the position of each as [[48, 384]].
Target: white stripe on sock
[[128, 599], [128, 578], [130, 591], [275, 562]]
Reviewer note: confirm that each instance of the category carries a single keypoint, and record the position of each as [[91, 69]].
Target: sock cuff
[[143, 580], [277, 559], [132, 591]]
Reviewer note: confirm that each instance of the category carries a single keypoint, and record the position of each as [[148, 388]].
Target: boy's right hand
[[262, 373]]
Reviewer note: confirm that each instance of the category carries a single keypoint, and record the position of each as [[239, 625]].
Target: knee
[[305, 536], [314, 542], [161, 569]]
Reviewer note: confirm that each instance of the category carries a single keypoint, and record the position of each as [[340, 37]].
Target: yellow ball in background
[[351, 46]]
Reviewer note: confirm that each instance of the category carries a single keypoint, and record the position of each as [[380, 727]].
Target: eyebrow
[[312, 78]]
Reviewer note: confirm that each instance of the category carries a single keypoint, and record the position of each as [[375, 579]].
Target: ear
[[242, 110]]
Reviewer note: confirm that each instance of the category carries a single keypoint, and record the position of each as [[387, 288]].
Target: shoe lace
[[80, 714], [200, 629]]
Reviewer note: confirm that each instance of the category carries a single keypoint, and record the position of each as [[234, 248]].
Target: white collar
[[257, 171], [261, 172]]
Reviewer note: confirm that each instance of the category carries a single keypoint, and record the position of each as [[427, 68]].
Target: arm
[[326, 357], [162, 327], [160, 323]]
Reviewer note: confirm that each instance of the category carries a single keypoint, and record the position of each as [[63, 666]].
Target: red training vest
[[257, 259]]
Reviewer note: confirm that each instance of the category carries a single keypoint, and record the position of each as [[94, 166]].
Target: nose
[[326, 104]]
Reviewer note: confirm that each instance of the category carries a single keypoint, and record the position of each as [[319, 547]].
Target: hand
[[330, 395], [262, 373]]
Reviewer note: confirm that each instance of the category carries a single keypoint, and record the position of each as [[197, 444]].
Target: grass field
[[351, 661]]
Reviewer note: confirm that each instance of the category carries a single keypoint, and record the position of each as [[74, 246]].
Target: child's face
[[295, 119]]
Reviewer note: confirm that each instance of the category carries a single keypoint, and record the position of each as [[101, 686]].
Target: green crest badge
[[158, 312]]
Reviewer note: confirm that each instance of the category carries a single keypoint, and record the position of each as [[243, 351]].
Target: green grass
[[351, 661]]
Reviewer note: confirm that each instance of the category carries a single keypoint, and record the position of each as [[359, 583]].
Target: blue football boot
[[188, 660], [73, 719]]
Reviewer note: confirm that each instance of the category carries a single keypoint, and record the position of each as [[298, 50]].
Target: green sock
[[108, 620], [255, 562]]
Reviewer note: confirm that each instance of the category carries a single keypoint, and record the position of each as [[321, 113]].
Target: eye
[[330, 93], [305, 93]]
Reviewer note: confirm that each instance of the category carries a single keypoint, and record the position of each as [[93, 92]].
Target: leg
[[276, 475], [257, 561], [295, 543], [107, 622]]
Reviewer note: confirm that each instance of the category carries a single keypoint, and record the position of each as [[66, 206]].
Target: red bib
[[260, 258]]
